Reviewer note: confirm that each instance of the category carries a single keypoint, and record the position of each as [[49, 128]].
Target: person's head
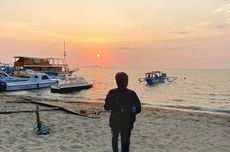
[[122, 79]]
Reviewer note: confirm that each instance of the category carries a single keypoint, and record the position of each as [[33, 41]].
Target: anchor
[[40, 128]]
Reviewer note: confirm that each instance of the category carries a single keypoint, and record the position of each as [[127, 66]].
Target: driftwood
[[68, 107], [27, 111], [18, 102]]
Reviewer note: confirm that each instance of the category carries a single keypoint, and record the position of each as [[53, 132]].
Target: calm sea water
[[202, 90]]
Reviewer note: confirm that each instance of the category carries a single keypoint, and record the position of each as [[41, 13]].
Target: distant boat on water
[[155, 77]]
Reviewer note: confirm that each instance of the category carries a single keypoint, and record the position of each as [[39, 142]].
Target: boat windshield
[[2, 75]]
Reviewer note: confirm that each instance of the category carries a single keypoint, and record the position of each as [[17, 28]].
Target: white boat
[[8, 68], [36, 81], [7, 78], [71, 83]]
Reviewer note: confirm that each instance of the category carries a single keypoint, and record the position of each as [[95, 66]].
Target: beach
[[155, 129]]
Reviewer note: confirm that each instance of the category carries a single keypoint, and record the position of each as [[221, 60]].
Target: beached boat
[[36, 81], [7, 78], [8, 68], [71, 83], [155, 77], [2, 85]]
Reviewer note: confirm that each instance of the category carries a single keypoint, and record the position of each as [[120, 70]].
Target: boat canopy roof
[[26, 57], [153, 72], [44, 66]]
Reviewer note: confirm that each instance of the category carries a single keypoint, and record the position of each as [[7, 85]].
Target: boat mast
[[64, 59]]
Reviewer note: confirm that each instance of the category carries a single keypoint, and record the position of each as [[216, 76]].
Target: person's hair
[[121, 79]]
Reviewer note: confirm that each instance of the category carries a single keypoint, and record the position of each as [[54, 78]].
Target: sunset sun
[[98, 55]]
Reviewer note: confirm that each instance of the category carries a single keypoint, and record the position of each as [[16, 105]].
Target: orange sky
[[165, 34]]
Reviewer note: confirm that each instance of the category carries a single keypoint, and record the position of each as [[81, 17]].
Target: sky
[[126, 33]]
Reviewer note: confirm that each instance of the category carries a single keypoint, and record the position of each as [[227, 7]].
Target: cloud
[[225, 9], [17, 25], [26, 28], [127, 48], [219, 20], [180, 46]]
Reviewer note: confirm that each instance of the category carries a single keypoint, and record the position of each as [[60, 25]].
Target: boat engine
[[2, 85]]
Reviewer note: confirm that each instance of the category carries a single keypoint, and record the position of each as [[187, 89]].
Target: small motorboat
[[155, 77], [71, 83], [35, 81]]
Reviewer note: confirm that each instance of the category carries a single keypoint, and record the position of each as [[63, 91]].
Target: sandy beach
[[156, 130]]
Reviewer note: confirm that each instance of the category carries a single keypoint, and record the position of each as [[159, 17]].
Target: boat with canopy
[[155, 77]]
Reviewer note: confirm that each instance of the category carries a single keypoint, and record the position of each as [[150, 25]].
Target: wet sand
[[156, 130]]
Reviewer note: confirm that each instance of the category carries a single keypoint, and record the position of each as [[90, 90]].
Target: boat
[[155, 77], [35, 81], [44, 65], [53, 67], [7, 78], [2, 85], [71, 83], [23, 73], [8, 68]]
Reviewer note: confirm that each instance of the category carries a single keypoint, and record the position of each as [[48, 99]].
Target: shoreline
[[155, 129], [189, 109]]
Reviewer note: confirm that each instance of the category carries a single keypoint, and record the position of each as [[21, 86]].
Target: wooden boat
[[36, 81], [155, 77], [41, 64], [53, 67], [71, 83]]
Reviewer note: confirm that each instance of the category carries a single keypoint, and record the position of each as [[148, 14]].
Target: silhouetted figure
[[124, 105]]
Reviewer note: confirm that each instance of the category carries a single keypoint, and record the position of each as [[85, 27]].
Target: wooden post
[[38, 119]]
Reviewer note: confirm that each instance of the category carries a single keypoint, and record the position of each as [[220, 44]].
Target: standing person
[[124, 105]]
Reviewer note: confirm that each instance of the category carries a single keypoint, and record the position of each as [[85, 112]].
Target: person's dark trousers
[[125, 139]]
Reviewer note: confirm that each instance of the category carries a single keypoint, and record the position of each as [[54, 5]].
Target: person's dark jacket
[[124, 105]]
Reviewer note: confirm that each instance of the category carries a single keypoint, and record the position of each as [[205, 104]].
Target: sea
[[201, 90]]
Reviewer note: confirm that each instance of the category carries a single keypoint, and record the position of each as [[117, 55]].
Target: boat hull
[[155, 77], [28, 86], [155, 80], [2, 85], [56, 89]]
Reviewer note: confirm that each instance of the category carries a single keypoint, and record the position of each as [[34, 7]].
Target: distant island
[[91, 66], [97, 66]]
